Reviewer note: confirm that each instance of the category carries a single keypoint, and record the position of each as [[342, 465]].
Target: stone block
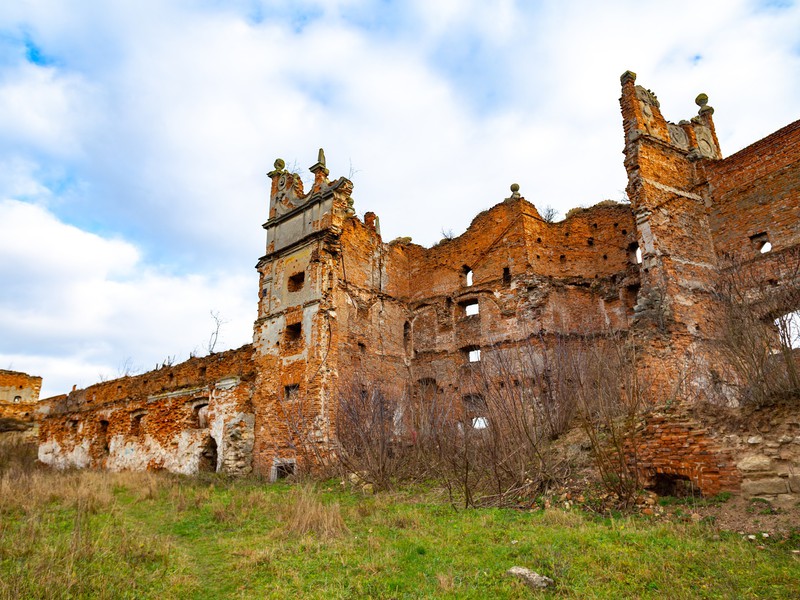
[[768, 486], [754, 462]]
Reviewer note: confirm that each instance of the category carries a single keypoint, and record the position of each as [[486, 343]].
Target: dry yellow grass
[[307, 514]]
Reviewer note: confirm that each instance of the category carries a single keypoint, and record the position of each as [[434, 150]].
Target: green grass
[[96, 535]]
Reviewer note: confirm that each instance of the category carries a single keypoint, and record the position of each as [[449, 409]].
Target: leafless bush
[[538, 389], [549, 214], [758, 329], [603, 376], [494, 441], [368, 427]]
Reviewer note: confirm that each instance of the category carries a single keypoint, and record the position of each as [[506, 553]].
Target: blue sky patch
[[35, 55]]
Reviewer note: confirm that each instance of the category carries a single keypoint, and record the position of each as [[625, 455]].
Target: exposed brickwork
[[678, 446], [19, 393], [337, 304], [151, 421]]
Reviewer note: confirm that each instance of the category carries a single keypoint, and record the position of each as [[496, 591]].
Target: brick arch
[[680, 447]]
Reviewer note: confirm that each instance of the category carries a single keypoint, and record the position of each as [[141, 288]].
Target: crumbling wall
[[175, 418], [338, 307], [19, 393], [755, 196]]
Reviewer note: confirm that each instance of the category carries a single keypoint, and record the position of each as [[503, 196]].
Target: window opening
[[103, 437], [282, 468], [468, 275], [761, 241], [789, 329], [17, 399], [475, 411], [291, 392], [474, 355], [635, 253], [470, 308], [506, 275], [407, 337], [296, 281], [293, 332], [200, 415], [136, 423]]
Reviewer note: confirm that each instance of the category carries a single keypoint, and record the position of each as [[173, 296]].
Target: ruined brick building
[[19, 394], [335, 299]]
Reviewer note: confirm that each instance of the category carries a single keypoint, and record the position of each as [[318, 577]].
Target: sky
[[135, 138]]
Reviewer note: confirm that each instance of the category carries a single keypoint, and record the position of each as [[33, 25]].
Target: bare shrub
[[758, 341], [368, 420], [603, 376], [18, 453], [549, 214]]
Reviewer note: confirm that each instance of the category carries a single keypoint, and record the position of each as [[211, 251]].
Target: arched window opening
[[407, 338], [468, 276], [475, 411], [635, 253], [136, 423], [200, 415]]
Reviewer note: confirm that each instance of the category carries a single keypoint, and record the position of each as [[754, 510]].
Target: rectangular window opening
[[293, 332], [283, 468], [471, 308], [474, 355], [761, 242], [291, 392], [296, 281]]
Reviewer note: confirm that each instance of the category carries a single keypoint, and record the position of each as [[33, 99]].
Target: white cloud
[[78, 299], [154, 124]]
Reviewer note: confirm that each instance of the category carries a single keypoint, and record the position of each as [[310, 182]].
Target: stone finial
[[515, 191], [280, 167], [702, 102], [321, 157], [627, 76]]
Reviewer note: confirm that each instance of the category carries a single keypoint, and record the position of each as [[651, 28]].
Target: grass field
[[147, 535]]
